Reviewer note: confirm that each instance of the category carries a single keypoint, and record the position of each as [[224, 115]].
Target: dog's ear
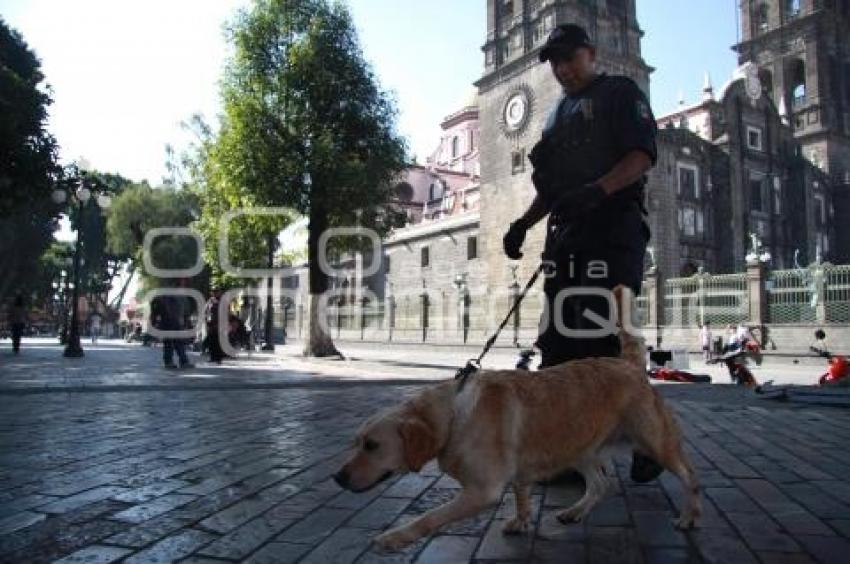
[[420, 444]]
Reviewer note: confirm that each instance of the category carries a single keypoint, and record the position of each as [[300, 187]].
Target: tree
[[28, 164], [307, 126], [139, 208]]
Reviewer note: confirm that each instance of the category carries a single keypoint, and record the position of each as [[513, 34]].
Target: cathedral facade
[[767, 154]]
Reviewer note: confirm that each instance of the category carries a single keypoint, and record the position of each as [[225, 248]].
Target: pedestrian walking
[[211, 316], [705, 340], [169, 313], [17, 322], [94, 326]]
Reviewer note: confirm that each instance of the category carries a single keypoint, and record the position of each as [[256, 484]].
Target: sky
[[125, 73]]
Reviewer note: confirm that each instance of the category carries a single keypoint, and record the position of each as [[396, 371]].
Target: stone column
[[756, 292], [655, 303]]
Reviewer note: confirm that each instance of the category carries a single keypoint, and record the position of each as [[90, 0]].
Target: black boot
[[644, 469]]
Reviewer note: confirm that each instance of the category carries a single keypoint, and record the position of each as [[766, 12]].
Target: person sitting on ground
[[820, 345]]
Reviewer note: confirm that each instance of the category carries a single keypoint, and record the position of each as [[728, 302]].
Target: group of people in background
[[736, 336]]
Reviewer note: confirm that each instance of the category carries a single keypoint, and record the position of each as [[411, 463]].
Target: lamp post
[[514, 288], [78, 198]]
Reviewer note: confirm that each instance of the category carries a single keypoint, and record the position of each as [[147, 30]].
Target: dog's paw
[[515, 526], [393, 540], [570, 516], [685, 522]]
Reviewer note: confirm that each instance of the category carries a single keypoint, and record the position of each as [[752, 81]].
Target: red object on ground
[[672, 375], [837, 370]]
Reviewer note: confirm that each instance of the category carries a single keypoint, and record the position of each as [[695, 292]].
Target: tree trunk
[[319, 342]]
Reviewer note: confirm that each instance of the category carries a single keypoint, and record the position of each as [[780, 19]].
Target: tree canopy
[[307, 126]]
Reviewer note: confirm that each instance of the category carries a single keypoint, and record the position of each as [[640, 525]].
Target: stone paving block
[[96, 554], [610, 512], [278, 553], [73, 502], [731, 499], [151, 509], [247, 538], [545, 551], [410, 486], [344, 545], [563, 496], [841, 525], [671, 556], [20, 521], [797, 521], [301, 504], [172, 548], [149, 492], [836, 488], [315, 526], [17, 505], [70, 485], [719, 546], [448, 548], [613, 545], [760, 532], [785, 558], [351, 500], [649, 497], [380, 513], [828, 550], [818, 502], [655, 528], [149, 532], [235, 515], [53, 539]]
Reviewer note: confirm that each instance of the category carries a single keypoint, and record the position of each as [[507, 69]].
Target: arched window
[[766, 80], [762, 17], [455, 146], [797, 84], [792, 8], [403, 191]]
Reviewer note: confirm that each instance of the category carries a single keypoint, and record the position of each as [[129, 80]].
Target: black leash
[[474, 364]]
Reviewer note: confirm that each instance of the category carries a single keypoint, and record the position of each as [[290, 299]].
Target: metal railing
[[719, 299], [789, 296], [837, 293]]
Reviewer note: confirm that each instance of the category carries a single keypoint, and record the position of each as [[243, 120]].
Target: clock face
[[516, 110], [516, 113]]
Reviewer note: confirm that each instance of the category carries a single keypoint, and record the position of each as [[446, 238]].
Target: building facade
[[758, 157]]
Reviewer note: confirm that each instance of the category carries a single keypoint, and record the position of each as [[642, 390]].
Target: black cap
[[564, 39]]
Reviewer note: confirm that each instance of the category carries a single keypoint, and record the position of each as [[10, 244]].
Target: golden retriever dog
[[518, 427]]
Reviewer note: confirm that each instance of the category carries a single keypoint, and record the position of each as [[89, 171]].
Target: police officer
[[588, 174]]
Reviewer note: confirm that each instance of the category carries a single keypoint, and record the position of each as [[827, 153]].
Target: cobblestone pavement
[[143, 474]]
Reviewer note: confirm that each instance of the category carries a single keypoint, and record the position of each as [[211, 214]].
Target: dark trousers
[[594, 268], [214, 343], [169, 346], [17, 333]]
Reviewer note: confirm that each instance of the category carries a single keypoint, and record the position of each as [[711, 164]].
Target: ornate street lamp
[[78, 198]]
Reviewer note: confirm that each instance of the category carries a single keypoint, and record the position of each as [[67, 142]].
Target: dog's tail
[[632, 348]]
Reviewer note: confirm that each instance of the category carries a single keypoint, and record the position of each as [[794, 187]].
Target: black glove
[[576, 202], [514, 238]]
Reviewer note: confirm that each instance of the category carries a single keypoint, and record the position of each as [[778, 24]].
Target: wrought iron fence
[[719, 299], [789, 296], [837, 294]]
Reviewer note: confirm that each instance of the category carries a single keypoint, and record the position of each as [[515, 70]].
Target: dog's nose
[[341, 478]]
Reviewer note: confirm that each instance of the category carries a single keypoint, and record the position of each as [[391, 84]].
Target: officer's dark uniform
[[596, 127]]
